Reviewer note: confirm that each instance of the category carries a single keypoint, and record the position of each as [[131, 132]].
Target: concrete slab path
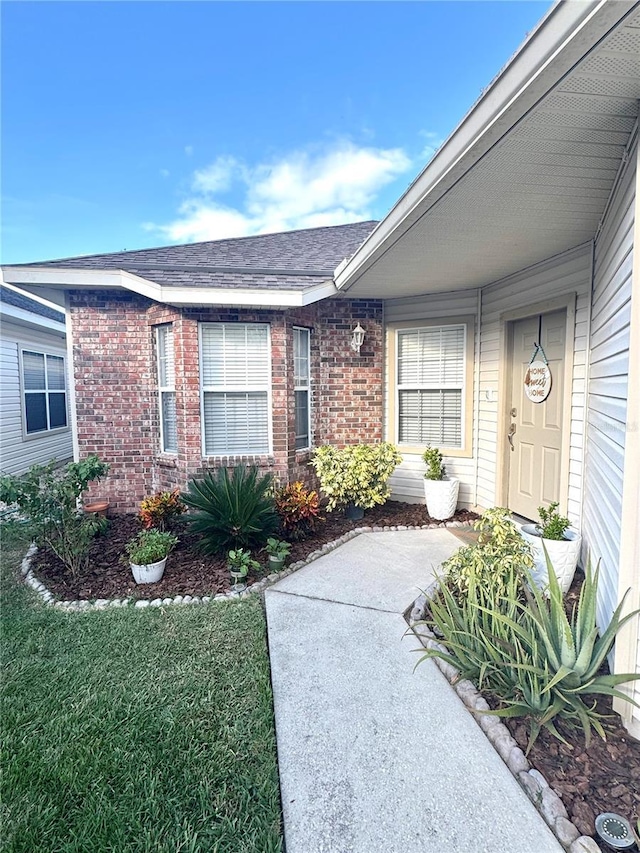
[[374, 757]]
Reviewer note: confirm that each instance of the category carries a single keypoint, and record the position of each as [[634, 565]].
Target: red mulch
[[187, 571], [603, 777]]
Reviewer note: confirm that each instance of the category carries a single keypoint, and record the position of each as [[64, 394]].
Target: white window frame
[[165, 389], [306, 388], [466, 387], [28, 436], [236, 388]]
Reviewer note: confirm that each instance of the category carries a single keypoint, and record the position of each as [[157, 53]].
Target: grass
[[136, 730]]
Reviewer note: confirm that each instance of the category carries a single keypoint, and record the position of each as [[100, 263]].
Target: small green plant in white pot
[[240, 562], [147, 554], [562, 544], [440, 491], [278, 551]]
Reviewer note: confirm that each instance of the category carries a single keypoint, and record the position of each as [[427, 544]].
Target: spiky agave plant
[[231, 510]]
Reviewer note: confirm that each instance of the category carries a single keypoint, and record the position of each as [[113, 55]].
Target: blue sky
[[128, 125]]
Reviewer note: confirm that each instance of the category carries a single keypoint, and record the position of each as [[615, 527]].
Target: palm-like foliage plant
[[231, 510], [540, 663]]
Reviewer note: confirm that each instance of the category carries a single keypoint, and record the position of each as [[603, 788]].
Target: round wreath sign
[[537, 379]]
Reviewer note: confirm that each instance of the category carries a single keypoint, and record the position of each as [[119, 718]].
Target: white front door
[[534, 450]]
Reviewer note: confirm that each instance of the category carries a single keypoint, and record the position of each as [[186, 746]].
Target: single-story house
[[515, 241], [35, 425]]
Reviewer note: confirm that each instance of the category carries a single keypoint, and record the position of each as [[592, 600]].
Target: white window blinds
[[430, 385], [167, 389], [236, 379]]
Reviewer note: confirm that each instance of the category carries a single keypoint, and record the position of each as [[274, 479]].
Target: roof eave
[[59, 278], [568, 31]]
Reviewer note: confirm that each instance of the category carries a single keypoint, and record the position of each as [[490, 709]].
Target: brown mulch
[[188, 572], [603, 777]]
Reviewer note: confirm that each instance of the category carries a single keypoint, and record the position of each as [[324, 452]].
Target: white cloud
[[165, 173], [188, 150], [301, 190], [218, 176], [433, 142]]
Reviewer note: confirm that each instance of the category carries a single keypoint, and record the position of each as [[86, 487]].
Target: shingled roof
[[10, 297], [289, 260]]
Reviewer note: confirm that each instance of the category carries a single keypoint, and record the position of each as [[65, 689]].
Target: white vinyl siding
[[565, 274], [301, 382], [236, 388], [607, 419], [407, 480], [167, 389], [19, 451], [430, 368], [44, 392]]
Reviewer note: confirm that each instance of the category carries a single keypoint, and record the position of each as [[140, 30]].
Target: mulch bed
[[188, 572], [603, 777]]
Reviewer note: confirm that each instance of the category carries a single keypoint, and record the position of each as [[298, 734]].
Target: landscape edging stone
[[241, 591], [539, 791]]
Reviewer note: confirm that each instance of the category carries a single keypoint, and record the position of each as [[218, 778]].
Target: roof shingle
[[289, 260]]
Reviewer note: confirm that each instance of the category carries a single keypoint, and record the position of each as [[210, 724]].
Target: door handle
[[510, 434]]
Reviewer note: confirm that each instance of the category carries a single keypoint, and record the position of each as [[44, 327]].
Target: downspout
[[476, 397], [587, 371], [72, 379]]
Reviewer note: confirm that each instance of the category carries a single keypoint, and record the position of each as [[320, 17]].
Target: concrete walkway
[[374, 757]]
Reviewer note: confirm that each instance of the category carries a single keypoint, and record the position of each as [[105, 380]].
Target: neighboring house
[[521, 230], [34, 399]]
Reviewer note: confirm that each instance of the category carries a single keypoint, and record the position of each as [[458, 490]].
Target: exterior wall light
[[357, 338]]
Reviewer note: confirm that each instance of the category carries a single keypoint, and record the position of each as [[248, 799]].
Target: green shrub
[[230, 511], [433, 460], [298, 508], [500, 552], [47, 498], [540, 664], [355, 474], [150, 546], [552, 524]]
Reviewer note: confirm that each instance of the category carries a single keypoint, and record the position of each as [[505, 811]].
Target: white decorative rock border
[[538, 789], [241, 590]]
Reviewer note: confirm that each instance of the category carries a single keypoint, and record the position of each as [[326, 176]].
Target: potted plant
[[239, 562], [562, 544], [148, 553], [278, 551], [440, 491], [354, 478]]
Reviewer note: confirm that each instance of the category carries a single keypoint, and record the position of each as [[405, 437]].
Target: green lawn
[[136, 730]]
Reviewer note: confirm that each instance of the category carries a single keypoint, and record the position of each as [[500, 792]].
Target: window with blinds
[[301, 381], [430, 388], [236, 388], [167, 389], [44, 392]]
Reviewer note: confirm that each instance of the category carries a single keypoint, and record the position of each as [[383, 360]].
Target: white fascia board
[[77, 279], [27, 318], [569, 30]]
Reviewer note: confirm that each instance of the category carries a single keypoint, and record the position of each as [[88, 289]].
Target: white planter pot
[[441, 497], [149, 573], [563, 553]]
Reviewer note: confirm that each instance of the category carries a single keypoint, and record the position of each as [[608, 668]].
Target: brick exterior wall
[[117, 394]]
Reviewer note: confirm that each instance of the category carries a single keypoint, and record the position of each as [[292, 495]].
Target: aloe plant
[[540, 664]]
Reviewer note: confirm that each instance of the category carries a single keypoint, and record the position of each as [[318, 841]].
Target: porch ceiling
[[538, 190]]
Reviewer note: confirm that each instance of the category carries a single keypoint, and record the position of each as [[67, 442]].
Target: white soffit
[[540, 190]]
